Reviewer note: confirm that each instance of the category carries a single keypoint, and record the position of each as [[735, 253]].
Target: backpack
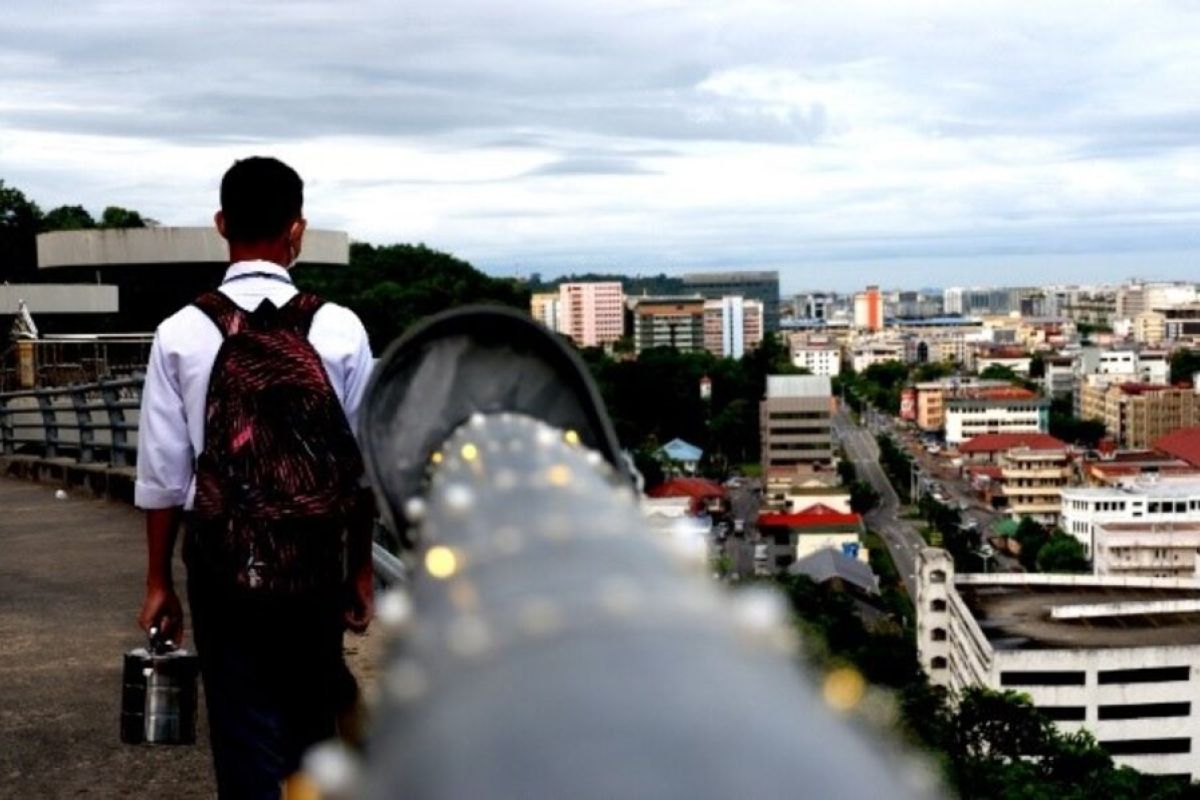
[[276, 483]]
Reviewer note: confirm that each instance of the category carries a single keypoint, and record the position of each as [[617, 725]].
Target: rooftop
[[814, 516], [1182, 444], [1150, 486], [1017, 616], [799, 386], [828, 563], [1000, 442]]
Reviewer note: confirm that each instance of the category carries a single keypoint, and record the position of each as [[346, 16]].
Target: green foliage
[[391, 287], [116, 217], [932, 370], [863, 497], [20, 221], [1066, 426], [68, 218], [660, 284], [1184, 364], [897, 464], [880, 384], [1062, 553], [1000, 372], [1031, 537]]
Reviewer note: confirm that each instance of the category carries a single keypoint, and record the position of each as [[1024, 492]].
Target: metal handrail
[[70, 409]]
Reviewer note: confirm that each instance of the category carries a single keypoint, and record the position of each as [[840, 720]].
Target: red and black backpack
[[280, 470]]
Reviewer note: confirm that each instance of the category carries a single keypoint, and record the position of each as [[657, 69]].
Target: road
[[900, 535]]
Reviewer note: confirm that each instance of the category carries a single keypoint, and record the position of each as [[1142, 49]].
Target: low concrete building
[[675, 322], [1147, 549], [1032, 480], [1010, 409], [1147, 499], [1115, 656], [797, 535]]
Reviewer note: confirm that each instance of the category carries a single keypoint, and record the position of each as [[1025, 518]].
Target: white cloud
[[640, 135]]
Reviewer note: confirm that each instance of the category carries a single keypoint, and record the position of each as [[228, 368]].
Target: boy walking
[[245, 437]]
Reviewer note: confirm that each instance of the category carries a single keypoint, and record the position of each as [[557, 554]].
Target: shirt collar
[[246, 267]]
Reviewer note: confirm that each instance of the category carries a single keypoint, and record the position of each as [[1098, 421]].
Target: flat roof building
[[1116, 656]]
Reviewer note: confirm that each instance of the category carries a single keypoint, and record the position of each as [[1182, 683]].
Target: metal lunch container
[[158, 694]]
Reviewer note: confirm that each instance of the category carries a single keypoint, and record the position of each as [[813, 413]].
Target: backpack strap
[[225, 314], [298, 312]]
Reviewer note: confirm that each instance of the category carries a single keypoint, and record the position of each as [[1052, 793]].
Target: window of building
[[1064, 713], [1145, 710], [937, 576], [1042, 678], [1143, 747], [939, 634], [1145, 675], [937, 662], [937, 605]]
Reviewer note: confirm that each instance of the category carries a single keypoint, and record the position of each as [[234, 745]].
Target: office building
[[733, 326], [1005, 409], [1135, 415], [761, 286], [1032, 480], [675, 322], [592, 314], [796, 423]]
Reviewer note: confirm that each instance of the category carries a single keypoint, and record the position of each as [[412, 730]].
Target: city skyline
[[973, 144]]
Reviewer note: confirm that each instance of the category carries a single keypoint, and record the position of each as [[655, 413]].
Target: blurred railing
[[65, 359], [92, 423]]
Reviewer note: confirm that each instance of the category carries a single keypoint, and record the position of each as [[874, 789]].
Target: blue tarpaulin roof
[[679, 450]]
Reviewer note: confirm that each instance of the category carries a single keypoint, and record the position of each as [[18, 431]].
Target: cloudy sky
[[905, 143]]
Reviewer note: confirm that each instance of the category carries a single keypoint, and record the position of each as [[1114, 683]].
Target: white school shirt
[[171, 426]]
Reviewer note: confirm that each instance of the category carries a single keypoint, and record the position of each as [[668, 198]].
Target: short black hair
[[260, 198]]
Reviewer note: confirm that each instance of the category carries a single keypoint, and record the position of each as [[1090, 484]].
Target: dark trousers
[[274, 682]]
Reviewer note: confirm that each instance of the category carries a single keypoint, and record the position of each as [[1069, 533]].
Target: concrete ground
[[71, 578]]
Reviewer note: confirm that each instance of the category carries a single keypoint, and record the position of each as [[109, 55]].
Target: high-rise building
[[796, 422], [592, 314], [675, 321], [868, 310], [733, 325], [761, 286]]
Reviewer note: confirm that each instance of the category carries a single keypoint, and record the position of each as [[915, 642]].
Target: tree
[[863, 497], [1000, 372], [1031, 537], [117, 217], [1184, 364], [20, 221], [68, 218], [1062, 553]]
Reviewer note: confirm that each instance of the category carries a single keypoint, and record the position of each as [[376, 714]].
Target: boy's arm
[[164, 471], [161, 607], [362, 523]]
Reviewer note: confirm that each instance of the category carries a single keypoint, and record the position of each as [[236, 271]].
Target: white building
[[1156, 501], [866, 352], [968, 417], [1115, 656], [1147, 549], [820, 355]]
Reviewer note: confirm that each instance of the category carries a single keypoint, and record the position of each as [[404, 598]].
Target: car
[[933, 449]]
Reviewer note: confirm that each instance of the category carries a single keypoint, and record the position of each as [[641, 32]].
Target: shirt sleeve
[[165, 457], [358, 372]]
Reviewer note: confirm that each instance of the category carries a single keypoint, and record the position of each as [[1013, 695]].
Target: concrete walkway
[[71, 578]]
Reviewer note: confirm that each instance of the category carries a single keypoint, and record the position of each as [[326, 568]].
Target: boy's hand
[[361, 606], [161, 609]]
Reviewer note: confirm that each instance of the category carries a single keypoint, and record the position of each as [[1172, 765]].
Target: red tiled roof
[[986, 470], [814, 516], [698, 488], [998, 393], [1001, 442], [1143, 388], [1183, 444]]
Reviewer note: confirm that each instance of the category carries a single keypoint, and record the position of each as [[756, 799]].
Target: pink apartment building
[[592, 314]]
